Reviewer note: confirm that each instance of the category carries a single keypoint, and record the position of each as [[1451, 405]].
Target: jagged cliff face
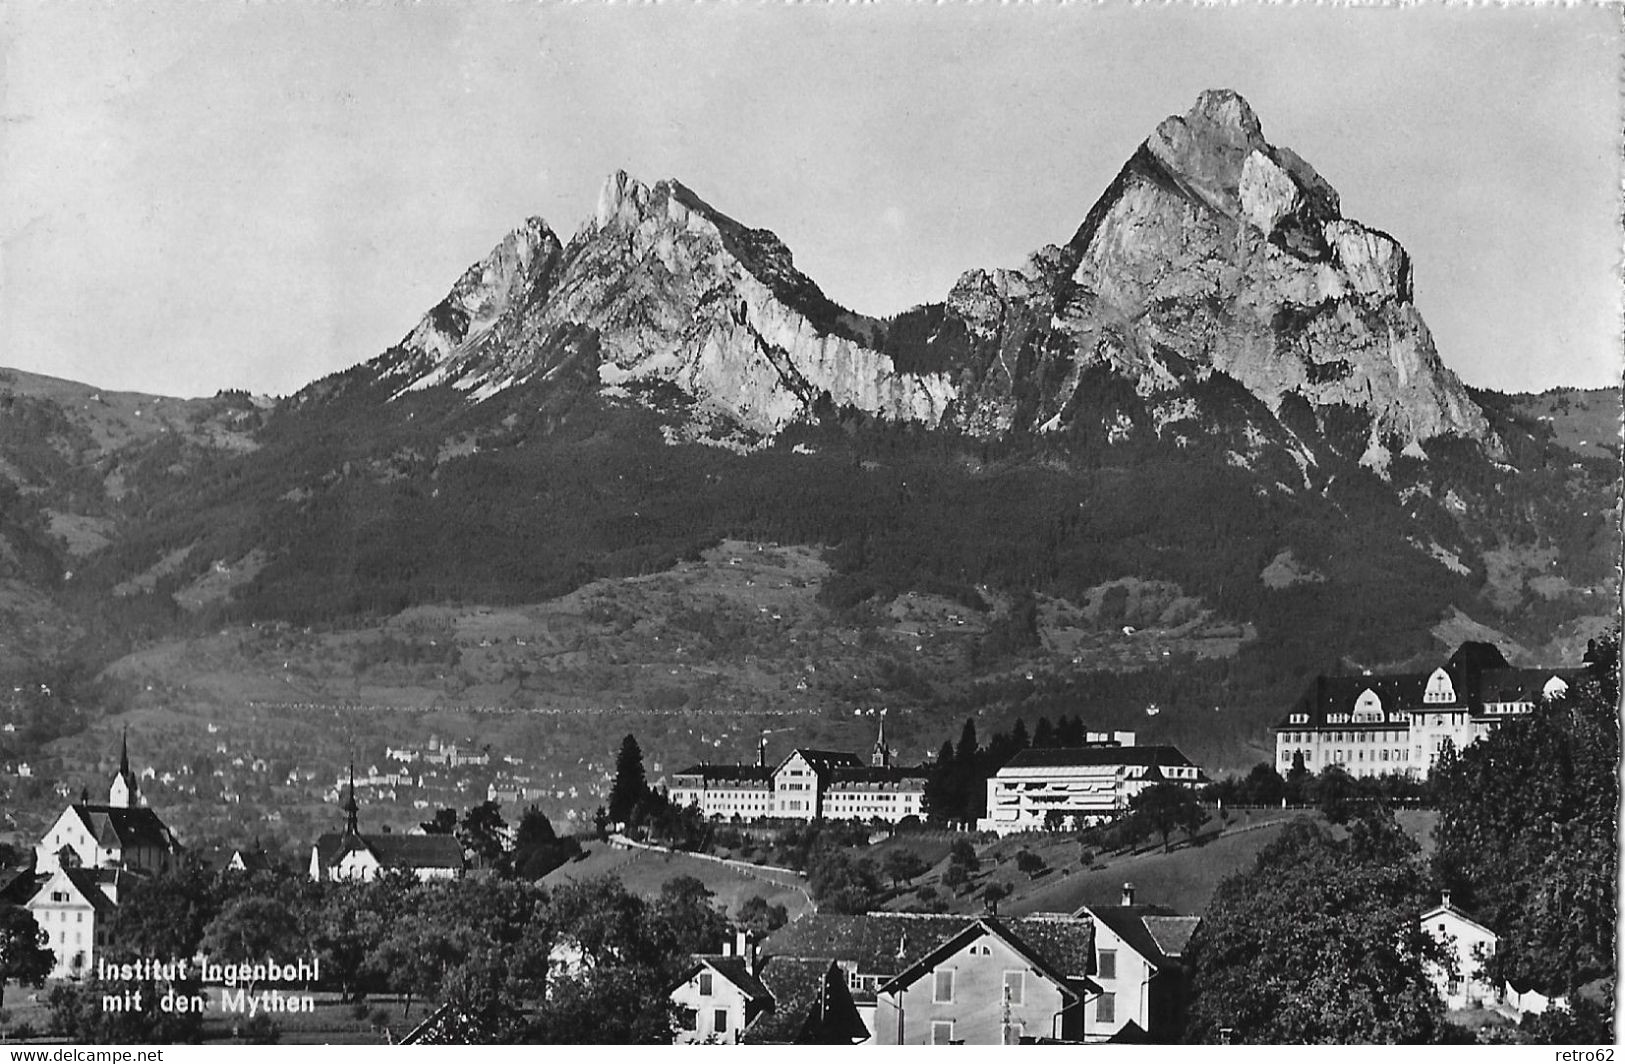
[[659, 287], [1213, 256]]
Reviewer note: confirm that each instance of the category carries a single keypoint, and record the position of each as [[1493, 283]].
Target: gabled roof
[[877, 943], [1130, 1033], [811, 1006], [1478, 672], [393, 851], [884, 944], [1155, 932], [17, 885], [1074, 955], [736, 972], [1447, 909], [1057, 757], [136, 826], [822, 761], [451, 1025], [85, 882]]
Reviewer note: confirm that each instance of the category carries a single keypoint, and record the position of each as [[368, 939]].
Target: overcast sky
[[196, 196]]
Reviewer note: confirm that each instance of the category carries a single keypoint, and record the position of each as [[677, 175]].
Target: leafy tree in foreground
[[23, 955], [1319, 943], [1526, 833]]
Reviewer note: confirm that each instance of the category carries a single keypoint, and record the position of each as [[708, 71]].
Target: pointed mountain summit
[[1214, 260]]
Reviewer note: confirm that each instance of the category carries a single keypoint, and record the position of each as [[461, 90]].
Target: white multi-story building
[[1080, 785], [807, 785], [1376, 725]]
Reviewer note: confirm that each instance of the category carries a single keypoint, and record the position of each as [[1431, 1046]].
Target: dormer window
[[1440, 689], [1368, 707]]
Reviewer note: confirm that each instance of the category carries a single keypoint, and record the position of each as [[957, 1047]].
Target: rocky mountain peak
[[1217, 153], [1213, 251]]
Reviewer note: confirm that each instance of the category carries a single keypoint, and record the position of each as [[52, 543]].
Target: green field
[[643, 873]]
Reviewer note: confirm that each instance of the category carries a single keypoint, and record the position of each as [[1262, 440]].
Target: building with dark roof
[[807, 784], [123, 833], [881, 955], [1079, 785], [1398, 723], [1140, 966], [737, 996], [350, 855]]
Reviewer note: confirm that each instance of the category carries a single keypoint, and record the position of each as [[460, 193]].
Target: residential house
[[1080, 785], [1398, 723], [1469, 944], [721, 996], [874, 949], [77, 908], [995, 982], [1140, 967], [739, 996]]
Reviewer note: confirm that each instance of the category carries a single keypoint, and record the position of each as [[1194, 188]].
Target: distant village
[[1099, 973]]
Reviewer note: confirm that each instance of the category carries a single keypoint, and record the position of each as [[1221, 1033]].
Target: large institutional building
[[1080, 785], [1377, 725], [806, 785]]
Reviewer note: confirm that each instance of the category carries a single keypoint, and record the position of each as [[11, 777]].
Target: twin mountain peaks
[[1215, 264]]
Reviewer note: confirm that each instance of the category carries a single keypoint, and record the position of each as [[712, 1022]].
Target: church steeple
[[880, 757], [350, 807], [125, 792]]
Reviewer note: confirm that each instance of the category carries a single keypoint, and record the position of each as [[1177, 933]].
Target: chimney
[[1128, 893], [761, 753], [745, 948], [727, 948], [1446, 896]]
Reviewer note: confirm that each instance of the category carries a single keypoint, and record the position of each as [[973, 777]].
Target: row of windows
[[1345, 756], [44, 915], [1388, 736]]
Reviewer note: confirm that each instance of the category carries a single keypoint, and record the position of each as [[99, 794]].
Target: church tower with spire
[[351, 809], [125, 792], [880, 756]]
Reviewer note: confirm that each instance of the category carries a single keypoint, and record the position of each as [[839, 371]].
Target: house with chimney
[[994, 982], [1140, 969], [1002, 973], [352, 856], [738, 996], [1470, 944], [1373, 725]]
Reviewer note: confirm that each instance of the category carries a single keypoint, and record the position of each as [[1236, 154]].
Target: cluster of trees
[[1321, 942], [586, 962], [1333, 790], [1527, 839], [956, 789]]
